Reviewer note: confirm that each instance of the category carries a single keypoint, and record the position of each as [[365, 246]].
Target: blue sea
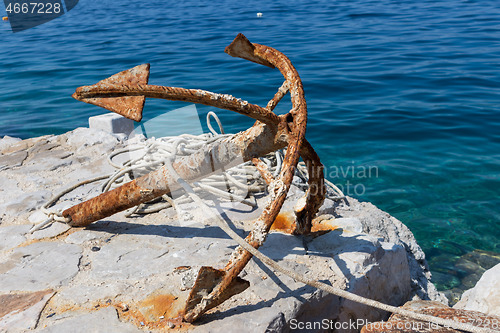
[[403, 96]]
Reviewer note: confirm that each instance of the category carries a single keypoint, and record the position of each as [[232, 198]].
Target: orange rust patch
[[284, 222], [322, 227], [157, 311], [182, 269], [157, 306]]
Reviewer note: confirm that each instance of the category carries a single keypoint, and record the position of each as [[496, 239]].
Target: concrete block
[[112, 123]]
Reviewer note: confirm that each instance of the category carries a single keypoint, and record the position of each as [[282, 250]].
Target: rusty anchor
[[125, 94]]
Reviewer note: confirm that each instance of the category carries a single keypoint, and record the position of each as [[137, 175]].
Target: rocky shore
[[133, 274]]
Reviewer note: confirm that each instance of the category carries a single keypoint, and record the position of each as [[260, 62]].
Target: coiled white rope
[[240, 183]]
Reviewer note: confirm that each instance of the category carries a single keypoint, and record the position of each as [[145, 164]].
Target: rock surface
[[105, 320], [485, 296], [380, 224], [7, 141], [20, 312], [134, 274]]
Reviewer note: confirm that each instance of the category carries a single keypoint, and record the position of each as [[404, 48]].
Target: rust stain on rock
[[323, 227], [182, 269], [158, 311], [160, 306], [284, 222]]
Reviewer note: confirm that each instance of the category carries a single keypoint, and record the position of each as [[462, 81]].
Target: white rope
[[43, 224], [212, 114], [243, 180], [55, 215]]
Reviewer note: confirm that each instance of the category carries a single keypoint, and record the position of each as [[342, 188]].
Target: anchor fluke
[[241, 47], [208, 279], [128, 106]]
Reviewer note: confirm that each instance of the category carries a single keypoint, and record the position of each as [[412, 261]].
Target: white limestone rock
[[378, 223], [373, 269], [12, 160], [25, 202], [7, 142], [104, 320], [52, 230], [37, 217], [12, 236], [275, 247], [485, 296], [82, 236], [39, 266], [82, 138]]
